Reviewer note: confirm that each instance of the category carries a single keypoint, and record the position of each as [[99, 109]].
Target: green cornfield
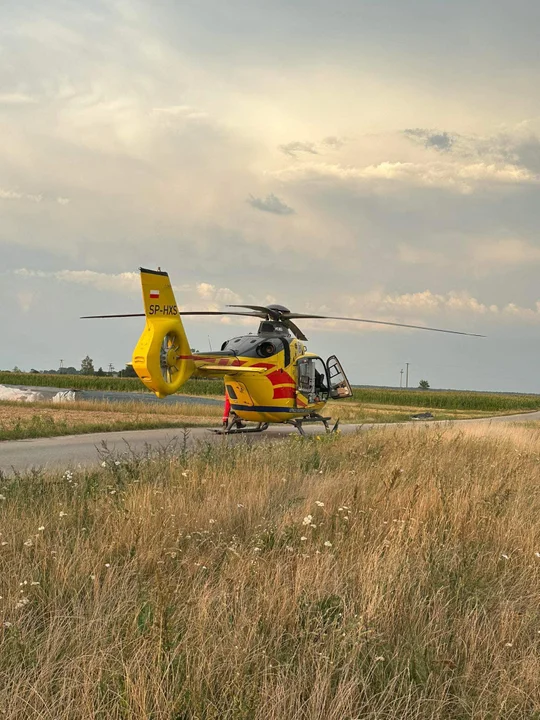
[[92, 382], [448, 400]]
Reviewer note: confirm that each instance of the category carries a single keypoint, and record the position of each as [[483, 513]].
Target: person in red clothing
[[226, 409]]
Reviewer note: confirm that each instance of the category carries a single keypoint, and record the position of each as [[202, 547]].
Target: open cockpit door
[[339, 385]]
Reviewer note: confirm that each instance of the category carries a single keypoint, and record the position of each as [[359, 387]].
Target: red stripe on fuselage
[[284, 392], [280, 377]]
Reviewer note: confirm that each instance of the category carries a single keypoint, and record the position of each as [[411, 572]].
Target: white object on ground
[[19, 395], [65, 396]]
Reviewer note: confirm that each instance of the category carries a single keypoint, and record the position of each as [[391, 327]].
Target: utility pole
[[401, 378], [61, 366], [407, 375]]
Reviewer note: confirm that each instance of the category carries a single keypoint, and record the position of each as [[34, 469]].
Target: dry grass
[[393, 574], [351, 411], [45, 419]]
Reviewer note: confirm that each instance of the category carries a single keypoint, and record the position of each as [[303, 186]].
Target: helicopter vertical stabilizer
[[162, 358]]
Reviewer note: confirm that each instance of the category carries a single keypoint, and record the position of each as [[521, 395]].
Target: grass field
[[393, 574], [30, 420]]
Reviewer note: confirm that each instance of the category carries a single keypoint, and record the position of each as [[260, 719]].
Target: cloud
[[187, 112], [410, 255], [15, 195], [455, 176], [333, 142], [426, 305], [441, 141], [295, 147], [127, 282], [16, 99], [215, 297], [272, 204], [518, 145], [504, 253]]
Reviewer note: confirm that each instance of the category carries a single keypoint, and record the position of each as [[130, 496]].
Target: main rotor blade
[[378, 322], [268, 312], [99, 317], [182, 313], [295, 329], [222, 312]]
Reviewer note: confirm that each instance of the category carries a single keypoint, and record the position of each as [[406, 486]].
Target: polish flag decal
[[154, 294]]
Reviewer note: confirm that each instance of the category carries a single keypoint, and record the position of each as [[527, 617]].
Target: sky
[[374, 159]]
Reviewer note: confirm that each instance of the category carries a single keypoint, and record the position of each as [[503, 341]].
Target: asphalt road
[[74, 451], [113, 396]]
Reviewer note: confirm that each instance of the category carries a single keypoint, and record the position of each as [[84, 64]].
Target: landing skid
[[236, 427], [299, 422]]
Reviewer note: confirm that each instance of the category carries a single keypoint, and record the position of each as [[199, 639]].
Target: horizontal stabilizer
[[231, 369]]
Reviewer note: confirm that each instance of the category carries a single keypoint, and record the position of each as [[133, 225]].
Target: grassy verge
[[91, 382], [350, 411], [21, 421], [388, 575]]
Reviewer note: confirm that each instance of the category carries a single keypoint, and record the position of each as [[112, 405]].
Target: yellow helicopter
[[269, 377]]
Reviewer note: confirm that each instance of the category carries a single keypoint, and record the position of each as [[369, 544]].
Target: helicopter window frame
[[315, 367]]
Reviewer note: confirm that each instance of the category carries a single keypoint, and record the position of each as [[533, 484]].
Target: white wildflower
[[327, 543], [41, 528], [307, 520], [212, 521], [184, 474], [319, 503], [35, 582], [22, 602], [303, 538], [104, 464], [508, 644], [62, 513], [28, 543], [506, 557], [380, 658], [107, 565], [537, 554], [2, 497]]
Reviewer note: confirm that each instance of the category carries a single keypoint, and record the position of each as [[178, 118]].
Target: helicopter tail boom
[[162, 358]]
